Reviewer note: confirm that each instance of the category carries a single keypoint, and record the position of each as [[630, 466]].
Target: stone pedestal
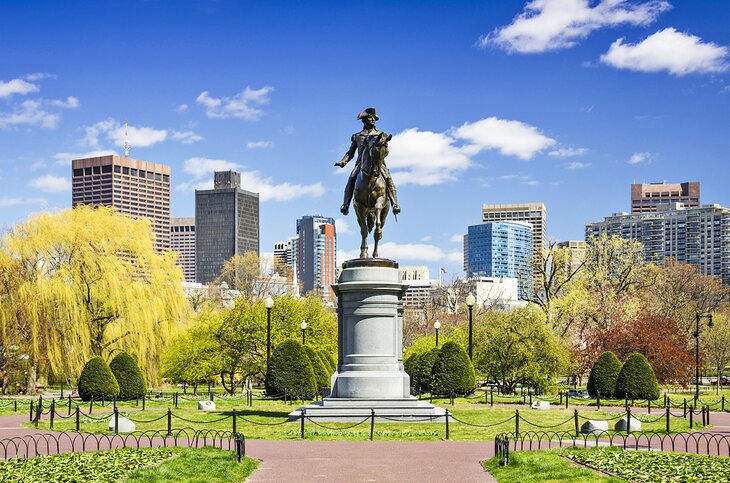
[[370, 374]]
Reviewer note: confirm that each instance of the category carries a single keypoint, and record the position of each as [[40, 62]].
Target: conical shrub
[[604, 375], [452, 370], [637, 379], [128, 375], [291, 371], [321, 374], [97, 381]]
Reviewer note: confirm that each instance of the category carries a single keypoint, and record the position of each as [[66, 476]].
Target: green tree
[[194, 355], [636, 379], [604, 374], [328, 360], [128, 375], [291, 371], [321, 374], [97, 381], [519, 347], [87, 281], [422, 366], [717, 345], [452, 370]]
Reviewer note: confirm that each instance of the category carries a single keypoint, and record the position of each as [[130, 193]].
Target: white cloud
[[521, 178], [186, 137], [457, 238], [668, 50], [426, 238], [427, 158], [202, 170], [417, 251], [259, 144], [182, 108], [242, 105], [16, 86], [343, 228], [71, 102], [567, 152], [5, 201], [577, 165], [30, 112], [66, 158], [638, 158], [510, 138], [51, 184], [139, 136], [546, 25], [36, 76]]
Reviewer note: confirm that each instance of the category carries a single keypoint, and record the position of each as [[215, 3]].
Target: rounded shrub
[[128, 375], [321, 373], [328, 360], [452, 370], [97, 381], [637, 379], [421, 378], [291, 371], [604, 375], [409, 364]]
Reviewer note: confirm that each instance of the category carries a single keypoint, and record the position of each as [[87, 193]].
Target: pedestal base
[[407, 410]]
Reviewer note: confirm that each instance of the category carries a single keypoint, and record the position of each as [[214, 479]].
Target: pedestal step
[[386, 411]]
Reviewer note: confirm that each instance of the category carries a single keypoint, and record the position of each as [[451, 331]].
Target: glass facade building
[[316, 255], [500, 249]]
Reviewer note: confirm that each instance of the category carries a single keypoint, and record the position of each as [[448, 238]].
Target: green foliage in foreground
[[97, 381], [99, 466], [541, 466], [653, 466], [194, 465]]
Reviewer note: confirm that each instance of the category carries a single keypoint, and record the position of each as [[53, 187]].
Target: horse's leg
[[362, 221], [378, 232]]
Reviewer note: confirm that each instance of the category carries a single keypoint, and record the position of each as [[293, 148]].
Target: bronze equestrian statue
[[370, 181]]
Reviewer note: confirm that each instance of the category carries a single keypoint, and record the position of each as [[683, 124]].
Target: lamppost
[[437, 326], [697, 348], [269, 304], [304, 332], [470, 301]]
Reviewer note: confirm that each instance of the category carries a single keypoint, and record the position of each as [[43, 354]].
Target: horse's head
[[378, 149]]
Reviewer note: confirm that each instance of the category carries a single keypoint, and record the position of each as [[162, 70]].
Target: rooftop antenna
[[126, 146]]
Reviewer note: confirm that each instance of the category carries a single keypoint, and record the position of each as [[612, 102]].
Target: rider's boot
[[349, 191], [393, 195]]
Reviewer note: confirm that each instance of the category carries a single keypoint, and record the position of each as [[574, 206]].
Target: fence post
[[691, 418], [648, 402], [15, 405], [491, 397], [303, 410], [723, 402], [103, 400], [486, 398], [136, 399], [517, 422], [53, 412], [69, 405], [447, 424], [91, 404], [451, 395], [30, 416], [169, 421], [708, 415], [668, 415], [176, 401], [575, 419], [598, 400], [530, 391], [560, 393], [628, 420], [78, 419], [566, 400], [234, 421], [115, 402], [210, 394], [116, 420], [665, 400], [684, 414], [372, 423]]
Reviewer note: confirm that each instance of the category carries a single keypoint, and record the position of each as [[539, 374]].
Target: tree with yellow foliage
[[87, 282]]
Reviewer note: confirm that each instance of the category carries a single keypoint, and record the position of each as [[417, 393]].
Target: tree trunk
[[32, 379]]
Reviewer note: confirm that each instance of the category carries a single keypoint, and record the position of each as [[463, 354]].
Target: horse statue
[[371, 200]]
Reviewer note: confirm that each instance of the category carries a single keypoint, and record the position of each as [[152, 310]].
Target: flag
[[443, 270]]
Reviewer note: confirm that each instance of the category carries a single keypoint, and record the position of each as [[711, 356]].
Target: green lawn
[[542, 466], [260, 422], [196, 465]]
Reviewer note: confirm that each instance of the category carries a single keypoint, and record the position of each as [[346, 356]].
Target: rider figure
[[359, 144]]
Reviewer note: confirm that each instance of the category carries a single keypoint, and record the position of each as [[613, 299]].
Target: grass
[[195, 465], [258, 423], [542, 466]]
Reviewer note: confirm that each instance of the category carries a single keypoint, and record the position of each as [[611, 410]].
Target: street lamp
[[437, 326], [304, 332], [470, 301], [697, 349], [269, 304]]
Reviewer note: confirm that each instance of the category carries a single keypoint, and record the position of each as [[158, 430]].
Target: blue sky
[[561, 101]]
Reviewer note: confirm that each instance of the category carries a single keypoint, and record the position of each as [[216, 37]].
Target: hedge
[[321, 373], [452, 370], [97, 381], [604, 375], [128, 375], [291, 371], [637, 379], [421, 377]]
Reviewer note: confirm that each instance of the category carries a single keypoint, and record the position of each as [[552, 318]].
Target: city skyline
[[491, 108]]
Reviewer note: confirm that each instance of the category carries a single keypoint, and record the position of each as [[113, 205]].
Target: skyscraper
[[182, 240], [648, 197], [533, 213], [136, 188], [697, 236], [500, 249], [316, 257], [227, 224]]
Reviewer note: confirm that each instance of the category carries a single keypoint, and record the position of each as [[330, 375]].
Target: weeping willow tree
[[87, 282]]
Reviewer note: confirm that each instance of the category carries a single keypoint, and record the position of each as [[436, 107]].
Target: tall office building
[[533, 213], [136, 188], [182, 240], [316, 255], [420, 286], [227, 224], [286, 253], [500, 249], [648, 197], [577, 250], [698, 236]]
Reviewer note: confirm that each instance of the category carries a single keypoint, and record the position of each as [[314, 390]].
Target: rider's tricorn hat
[[370, 111]]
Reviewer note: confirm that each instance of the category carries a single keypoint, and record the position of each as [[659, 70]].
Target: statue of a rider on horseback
[[370, 182]]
